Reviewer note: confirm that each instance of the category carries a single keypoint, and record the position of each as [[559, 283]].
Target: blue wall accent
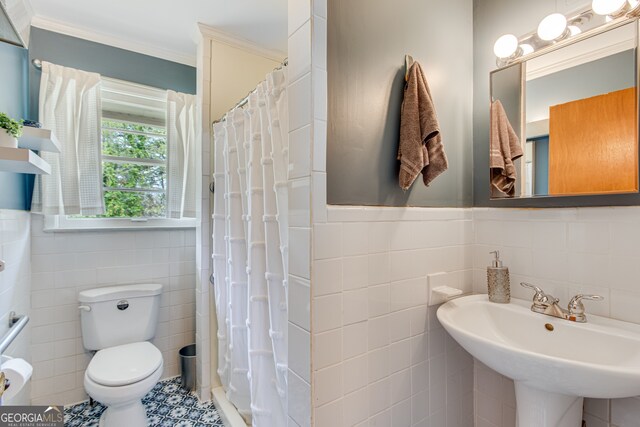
[[541, 182], [13, 101], [107, 60]]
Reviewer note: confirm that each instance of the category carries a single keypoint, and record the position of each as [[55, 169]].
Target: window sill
[[58, 223]]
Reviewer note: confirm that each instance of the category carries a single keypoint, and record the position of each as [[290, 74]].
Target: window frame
[[130, 96], [65, 223]]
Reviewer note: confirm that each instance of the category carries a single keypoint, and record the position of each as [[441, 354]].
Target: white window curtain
[[70, 106], [250, 253], [181, 155]]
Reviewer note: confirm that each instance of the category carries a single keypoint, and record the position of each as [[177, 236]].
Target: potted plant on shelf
[[10, 130]]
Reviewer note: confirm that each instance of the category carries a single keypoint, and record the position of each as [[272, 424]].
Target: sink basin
[[555, 369]]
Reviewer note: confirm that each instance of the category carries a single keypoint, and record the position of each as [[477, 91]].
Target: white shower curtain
[[250, 253]]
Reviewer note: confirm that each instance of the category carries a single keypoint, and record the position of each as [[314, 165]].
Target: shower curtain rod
[[245, 100]]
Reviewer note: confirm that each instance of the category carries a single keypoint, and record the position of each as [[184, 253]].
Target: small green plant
[[13, 127]]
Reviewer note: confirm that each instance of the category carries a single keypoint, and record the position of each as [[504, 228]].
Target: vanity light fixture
[[526, 48], [634, 8], [506, 46], [557, 27], [553, 27], [574, 30], [613, 8]]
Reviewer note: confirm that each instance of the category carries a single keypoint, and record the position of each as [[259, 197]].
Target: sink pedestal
[[538, 408], [553, 363]]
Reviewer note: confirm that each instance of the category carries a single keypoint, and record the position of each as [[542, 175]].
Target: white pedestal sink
[[554, 363]]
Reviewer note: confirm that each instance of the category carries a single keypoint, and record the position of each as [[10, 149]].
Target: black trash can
[[188, 367]]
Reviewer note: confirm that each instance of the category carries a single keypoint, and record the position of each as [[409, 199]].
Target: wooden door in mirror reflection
[[593, 145]]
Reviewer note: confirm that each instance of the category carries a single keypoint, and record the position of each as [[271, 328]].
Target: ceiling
[[165, 28]]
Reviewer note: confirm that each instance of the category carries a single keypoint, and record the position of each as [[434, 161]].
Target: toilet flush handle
[[84, 308]]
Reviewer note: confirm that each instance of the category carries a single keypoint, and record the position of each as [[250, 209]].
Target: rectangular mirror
[[575, 114]]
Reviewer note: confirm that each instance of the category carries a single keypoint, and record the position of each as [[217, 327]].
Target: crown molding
[[109, 40], [240, 43]]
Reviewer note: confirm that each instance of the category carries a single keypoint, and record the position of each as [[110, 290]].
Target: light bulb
[[552, 27], [575, 30], [607, 7], [526, 48], [505, 46]]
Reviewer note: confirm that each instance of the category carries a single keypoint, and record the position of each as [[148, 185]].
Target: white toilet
[[118, 321]]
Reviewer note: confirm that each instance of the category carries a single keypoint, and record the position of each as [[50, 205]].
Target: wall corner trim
[[240, 43], [20, 14]]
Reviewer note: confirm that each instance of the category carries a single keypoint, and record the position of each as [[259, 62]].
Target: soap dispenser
[[498, 281]]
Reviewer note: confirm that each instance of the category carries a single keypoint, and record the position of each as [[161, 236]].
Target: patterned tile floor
[[167, 404]]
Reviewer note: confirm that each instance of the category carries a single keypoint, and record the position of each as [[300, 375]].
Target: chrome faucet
[[544, 303]]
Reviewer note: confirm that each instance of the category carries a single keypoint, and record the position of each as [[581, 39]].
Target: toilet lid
[[124, 364]]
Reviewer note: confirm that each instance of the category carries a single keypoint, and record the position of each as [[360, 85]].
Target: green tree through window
[[134, 169]]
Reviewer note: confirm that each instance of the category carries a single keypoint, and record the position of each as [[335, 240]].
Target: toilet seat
[[124, 403], [124, 364]]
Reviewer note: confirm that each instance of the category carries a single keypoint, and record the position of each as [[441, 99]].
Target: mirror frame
[[586, 200]]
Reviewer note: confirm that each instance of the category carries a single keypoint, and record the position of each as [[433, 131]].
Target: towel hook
[[408, 62]]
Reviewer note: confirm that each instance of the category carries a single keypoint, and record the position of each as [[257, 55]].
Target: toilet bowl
[[119, 377], [118, 322]]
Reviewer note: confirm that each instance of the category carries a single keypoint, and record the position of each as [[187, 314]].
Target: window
[[134, 156]]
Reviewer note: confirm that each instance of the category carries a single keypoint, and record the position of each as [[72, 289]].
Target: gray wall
[[367, 41], [491, 19], [107, 60], [13, 101]]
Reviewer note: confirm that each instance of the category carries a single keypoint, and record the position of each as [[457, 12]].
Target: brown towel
[[505, 148], [421, 147]]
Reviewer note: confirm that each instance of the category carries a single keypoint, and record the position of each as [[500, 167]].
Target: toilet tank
[[118, 315]]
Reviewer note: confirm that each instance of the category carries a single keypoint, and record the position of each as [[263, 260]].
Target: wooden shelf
[[38, 140], [22, 160]]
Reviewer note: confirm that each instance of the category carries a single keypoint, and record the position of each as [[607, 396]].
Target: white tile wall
[[301, 133], [65, 263], [380, 357], [564, 251], [15, 284], [553, 248]]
